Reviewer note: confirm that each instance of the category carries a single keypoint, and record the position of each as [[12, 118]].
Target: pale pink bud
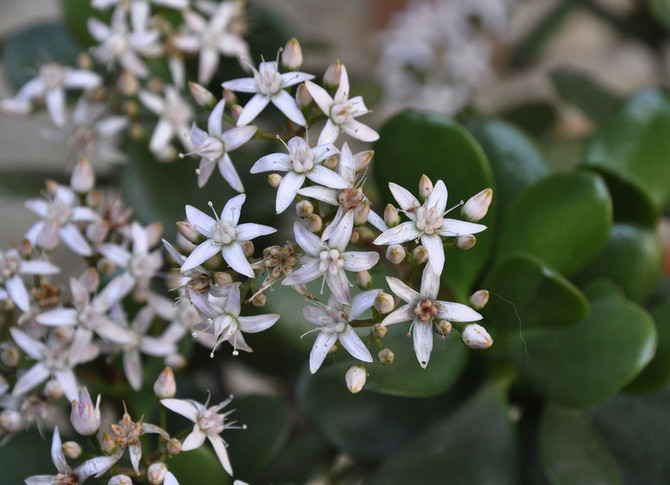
[[236, 112], [221, 278], [314, 223], [361, 213], [49, 236], [333, 75], [53, 389], [420, 254], [476, 337], [291, 57], [444, 327], [229, 97], [260, 300], [304, 208], [10, 420], [173, 446], [274, 179], [107, 443], [425, 187], [477, 206], [363, 159], [82, 179], [479, 299], [201, 95], [106, 266], [247, 248], [391, 217], [9, 355], [363, 279], [384, 303], [355, 237], [156, 473], [72, 449], [165, 386], [386, 356], [378, 331], [120, 479], [331, 162], [25, 248], [84, 417], [128, 84], [465, 242], [302, 96], [188, 231], [355, 378], [395, 253]]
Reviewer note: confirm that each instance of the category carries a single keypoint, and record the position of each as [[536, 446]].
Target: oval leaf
[[202, 461]]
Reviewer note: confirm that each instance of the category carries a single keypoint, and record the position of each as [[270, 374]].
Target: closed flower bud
[[25, 247], [476, 337], [420, 254], [363, 279], [53, 389], [156, 473], [395, 253], [444, 327], [82, 179], [331, 162], [378, 331], [304, 208], [260, 300], [120, 479], [229, 97], [465, 242], [361, 212], [165, 386], [173, 446], [136, 131], [274, 179], [333, 74], [314, 223], [355, 237], [385, 356], [363, 159], [391, 217], [425, 187], [235, 112], [479, 299], [9, 355], [106, 266], [384, 303], [291, 56], [302, 96], [247, 248], [84, 61], [84, 417], [128, 84], [477, 206], [222, 278], [10, 420], [201, 95], [355, 378], [107, 443], [72, 449]]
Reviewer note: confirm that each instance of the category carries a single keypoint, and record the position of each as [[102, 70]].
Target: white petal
[[74, 240], [231, 305], [95, 466], [329, 133], [17, 292], [180, 406], [308, 241], [200, 254], [202, 222], [80, 78], [68, 382], [205, 171], [37, 266], [340, 236], [31, 378], [293, 78], [229, 174], [430, 283], [34, 348], [433, 244], [377, 221], [98, 29], [322, 344], [139, 13], [358, 130], [236, 259], [321, 98], [252, 109], [287, 190], [454, 227], [347, 166], [321, 152], [215, 119], [116, 253], [423, 341], [354, 344], [402, 290], [404, 313], [404, 197], [194, 440], [55, 101], [209, 61], [238, 136], [58, 317], [221, 453], [339, 285], [401, 233], [456, 312], [251, 230], [342, 93], [438, 197], [242, 85], [152, 101], [132, 368], [257, 323], [306, 273], [161, 136], [324, 176], [57, 455], [275, 162], [231, 211], [361, 302], [287, 105], [359, 260], [320, 193]]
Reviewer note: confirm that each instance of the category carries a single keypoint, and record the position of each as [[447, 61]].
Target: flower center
[[331, 261], [211, 422], [144, 266], [350, 198], [66, 479], [211, 148], [52, 75], [425, 310], [302, 159], [268, 79], [224, 233], [210, 38], [342, 113], [118, 43], [428, 220]]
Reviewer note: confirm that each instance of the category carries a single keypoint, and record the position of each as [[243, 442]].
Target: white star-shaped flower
[[300, 163], [269, 86], [341, 112], [427, 223], [423, 308], [224, 235], [175, 115], [12, 266], [330, 260]]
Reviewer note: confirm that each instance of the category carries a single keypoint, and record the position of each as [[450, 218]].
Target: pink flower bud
[[363, 279], [420, 254], [363, 159], [386, 356], [247, 248], [120, 479], [165, 386], [477, 206], [229, 97], [355, 378], [274, 179], [304, 208], [302, 96], [384, 303], [201, 95], [156, 473], [49, 237], [173, 446], [260, 300], [235, 112], [391, 217], [84, 417], [361, 213], [83, 178], [476, 337], [444, 327], [107, 443], [378, 331], [314, 223], [188, 231], [333, 74], [465, 242], [291, 57], [10, 420], [53, 389], [72, 449], [479, 299], [395, 253], [425, 187]]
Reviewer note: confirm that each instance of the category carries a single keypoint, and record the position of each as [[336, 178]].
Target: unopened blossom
[[349, 198], [329, 259], [140, 9], [158, 473], [119, 44], [355, 378], [223, 316], [427, 223], [165, 386], [214, 144], [66, 475], [85, 418], [277, 261], [476, 337], [333, 323], [54, 359], [212, 37], [209, 423], [12, 266], [341, 112], [423, 309], [50, 84], [174, 117], [301, 162], [61, 213], [224, 235], [268, 85]]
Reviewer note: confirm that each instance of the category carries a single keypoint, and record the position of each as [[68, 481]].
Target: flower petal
[[58, 317], [454, 227], [339, 285], [257, 323], [288, 188], [402, 290], [359, 260], [306, 273], [31, 378], [320, 193], [361, 302], [438, 197], [238, 136], [322, 344], [326, 177], [358, 130], [229, 174], [242, 85], [17, 292], [401, 233], [202, 222], [221, 453], [231, 211], [404, 197], [430, 283], [423, 341], [354, 345], [456, 312], [215, 118], [74, 240], [251, 230], [180, 406], [329, 133], [341, 235], [236, 259], [287, 105], [275, 162], [252, 109], [433, 244], [404, 313], [200, 254], [308, 241]]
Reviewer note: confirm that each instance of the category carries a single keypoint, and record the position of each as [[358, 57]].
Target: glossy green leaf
[[661, 11], [525, 293], [563, 219], [515, 160], [585, 363], [636, 429], [633, 260], [475, 444], [367, 425], [413, 143], [596, 101], [27, 454], [303, 457], [26, 50], [201, 461], [534, 117], [268, 424], [635, 144], [571, 450]]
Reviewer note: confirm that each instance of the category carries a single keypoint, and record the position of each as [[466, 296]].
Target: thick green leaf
[[661, 11], [571, 450], [563, 219], [367, 425], [201, 461], [25, 51], [636, 428], [635, 144], [596, 101], [28, 183], [534, 117], [515, 160], [633, 260], [584, 363], [528, 294], [27, 454], [413, 143], [268, 425], [476, 444], [305, 456]]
